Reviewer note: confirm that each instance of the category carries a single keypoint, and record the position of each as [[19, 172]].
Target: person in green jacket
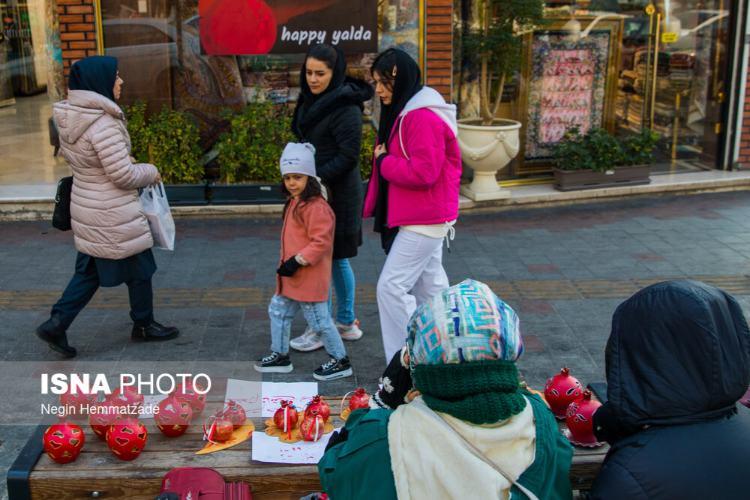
[[473, 432]]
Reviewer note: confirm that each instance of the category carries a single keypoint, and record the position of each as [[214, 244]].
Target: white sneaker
[[308, 341], [349, 332]]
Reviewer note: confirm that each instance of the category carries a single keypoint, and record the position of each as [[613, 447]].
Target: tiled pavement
[[564, 269]]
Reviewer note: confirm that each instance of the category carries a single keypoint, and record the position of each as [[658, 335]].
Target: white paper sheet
[[300, 393], [269, 449], [262, 399]]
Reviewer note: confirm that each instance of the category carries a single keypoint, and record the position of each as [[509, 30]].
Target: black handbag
[[61, 215]]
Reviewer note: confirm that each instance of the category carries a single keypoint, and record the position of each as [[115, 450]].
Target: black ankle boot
[[52, 333], [153, 332]]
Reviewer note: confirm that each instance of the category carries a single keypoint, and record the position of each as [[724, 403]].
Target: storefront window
[[624, 66], [29, 59], [162, 59]]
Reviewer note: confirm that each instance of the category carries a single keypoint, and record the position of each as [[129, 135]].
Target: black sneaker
[[274, 363], [333, 369]]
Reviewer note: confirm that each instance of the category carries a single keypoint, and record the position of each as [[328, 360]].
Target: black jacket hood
[[678, 353]]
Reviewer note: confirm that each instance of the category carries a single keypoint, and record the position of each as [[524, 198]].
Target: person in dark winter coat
[[329, 116], [677, 362]]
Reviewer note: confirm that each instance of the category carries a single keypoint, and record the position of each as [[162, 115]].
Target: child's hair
[[312, 190]]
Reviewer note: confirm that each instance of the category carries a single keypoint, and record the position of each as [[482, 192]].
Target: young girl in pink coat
[[413, 191], [304, 273]]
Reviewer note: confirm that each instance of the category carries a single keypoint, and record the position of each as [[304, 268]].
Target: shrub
[[599, 150], [168, 140], [251, 149], [366, 150]]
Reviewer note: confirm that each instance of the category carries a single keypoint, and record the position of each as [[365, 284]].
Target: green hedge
[[248, 151]]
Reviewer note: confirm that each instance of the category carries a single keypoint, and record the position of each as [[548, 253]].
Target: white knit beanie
[[298, 158]]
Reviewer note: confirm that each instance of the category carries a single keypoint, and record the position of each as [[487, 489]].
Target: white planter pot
[[486, 149]]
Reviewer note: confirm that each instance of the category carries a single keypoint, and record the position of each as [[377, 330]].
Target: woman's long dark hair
[[311, 191]]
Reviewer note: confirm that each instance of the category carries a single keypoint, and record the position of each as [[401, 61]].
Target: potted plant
[[598, 159], [169, 140], [494, 46]]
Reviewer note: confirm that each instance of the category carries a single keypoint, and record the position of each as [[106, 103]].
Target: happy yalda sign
[[256, 27]]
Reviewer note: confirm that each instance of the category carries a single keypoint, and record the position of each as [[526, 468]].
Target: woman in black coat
[[677, 362], [329, 116]]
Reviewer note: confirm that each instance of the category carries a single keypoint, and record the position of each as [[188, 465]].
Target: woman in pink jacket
[[304, 273], [110, 231], [413, 191]]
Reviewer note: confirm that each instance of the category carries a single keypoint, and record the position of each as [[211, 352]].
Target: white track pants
[[413, 272]]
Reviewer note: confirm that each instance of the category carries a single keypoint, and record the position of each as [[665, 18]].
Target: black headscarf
[[406, 84], [339, 75], [95, 73]]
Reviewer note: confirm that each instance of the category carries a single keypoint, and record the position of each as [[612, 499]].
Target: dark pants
[[84, 285]]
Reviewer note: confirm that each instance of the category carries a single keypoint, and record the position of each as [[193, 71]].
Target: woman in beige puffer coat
[[110, 230]]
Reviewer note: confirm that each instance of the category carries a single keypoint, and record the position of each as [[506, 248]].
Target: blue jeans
[[343, 282], [282, 310]]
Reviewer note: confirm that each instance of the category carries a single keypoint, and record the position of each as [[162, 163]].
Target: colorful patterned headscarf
[[463, 345]]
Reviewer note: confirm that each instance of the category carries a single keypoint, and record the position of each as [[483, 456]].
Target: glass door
[[673, 76]]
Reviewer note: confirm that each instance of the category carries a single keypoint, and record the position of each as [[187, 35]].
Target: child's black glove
[[289, 267]]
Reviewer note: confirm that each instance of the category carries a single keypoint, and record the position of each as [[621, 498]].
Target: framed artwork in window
[[568, 80]]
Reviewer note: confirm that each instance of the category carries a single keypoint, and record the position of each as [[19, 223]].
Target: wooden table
[[98, 474]]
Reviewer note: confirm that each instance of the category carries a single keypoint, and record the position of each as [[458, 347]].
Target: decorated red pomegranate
[[76, 404], [173, 418], [312, 427], [285, 418], [63, 442], [101, 417], [235, 413], [127, 438], [218, 429], [190, 391], [580, 420], [360, 399], [560, 391], [126, 397], [320, 408]]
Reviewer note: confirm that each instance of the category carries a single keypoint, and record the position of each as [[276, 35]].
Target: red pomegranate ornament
[[560, 391], [360, 399], [285, 418], [126, 438], [235, 413], [312, 427], [101, 417], [580, 420], [320, 408], [128, 398], [173, 418], [190, 391], [77, 404], [63, 442], [218, 429]]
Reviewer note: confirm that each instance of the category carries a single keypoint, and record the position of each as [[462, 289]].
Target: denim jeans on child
[[282, 310], [343, 282]]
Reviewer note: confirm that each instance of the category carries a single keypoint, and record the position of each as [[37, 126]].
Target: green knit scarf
[[480, 392]]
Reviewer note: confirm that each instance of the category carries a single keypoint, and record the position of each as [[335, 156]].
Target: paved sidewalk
[[563, 269]]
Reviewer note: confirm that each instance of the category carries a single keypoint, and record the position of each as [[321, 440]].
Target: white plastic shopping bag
[[156, 208]]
